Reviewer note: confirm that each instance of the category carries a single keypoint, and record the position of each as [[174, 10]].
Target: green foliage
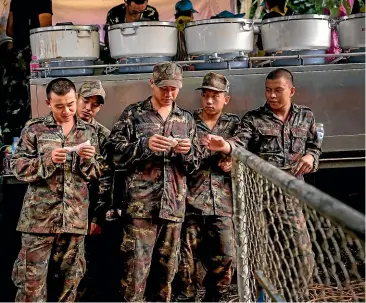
[[302, 6]]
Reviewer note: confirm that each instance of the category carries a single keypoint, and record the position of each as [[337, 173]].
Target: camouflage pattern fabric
[[209, 239], [156, 182], [168, 74], [100, 191], [209, 187], [15, 107], [281, 144], [149, 246], [57, 197], [60, 256], [117, 14], [216, 82], [100, 197], [92, 88]]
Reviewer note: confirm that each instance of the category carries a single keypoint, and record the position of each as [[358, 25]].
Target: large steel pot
[[80, 42], [351, 31], [143, 39], [222, 36], [300, 32]]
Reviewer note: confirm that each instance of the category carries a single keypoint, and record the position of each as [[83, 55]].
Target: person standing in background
[[91, 98], [129, 11], [23, 16]]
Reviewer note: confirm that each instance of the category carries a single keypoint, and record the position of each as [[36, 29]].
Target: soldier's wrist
[[227, 148]]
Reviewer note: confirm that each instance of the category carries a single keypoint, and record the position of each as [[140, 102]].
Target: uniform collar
[[223, 116], [266, 108], [50, 121], [147, 105]]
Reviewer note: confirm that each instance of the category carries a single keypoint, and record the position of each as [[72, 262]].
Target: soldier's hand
[[225, 165], [183, 147], [86, 152], [59, 155], [95, 229], [217, 143], [304, 166], [159, 143]]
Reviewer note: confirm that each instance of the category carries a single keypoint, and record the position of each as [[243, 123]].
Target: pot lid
[[354, 16], [296, 17], [219, 20], [142, 23], [65, 28]]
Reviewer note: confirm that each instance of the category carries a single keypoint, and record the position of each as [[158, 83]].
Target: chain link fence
[[293, 240]]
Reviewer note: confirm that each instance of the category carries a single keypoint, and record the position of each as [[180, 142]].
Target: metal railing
[[294, 241], [228, 61]]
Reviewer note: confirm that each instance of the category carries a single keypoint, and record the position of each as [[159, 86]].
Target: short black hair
[[279, 73], [281, 4], [136, 1], [60, 86]]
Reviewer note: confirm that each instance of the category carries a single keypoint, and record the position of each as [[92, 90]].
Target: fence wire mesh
[[308, 245]]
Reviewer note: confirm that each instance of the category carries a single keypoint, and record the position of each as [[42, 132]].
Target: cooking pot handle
[[333, 23], [64, 23], [246, 26], [128, 31], [83, 34]]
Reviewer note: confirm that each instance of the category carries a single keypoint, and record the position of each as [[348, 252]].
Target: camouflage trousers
[[58, 259], [150, 250], [288, 237], [209, 239]]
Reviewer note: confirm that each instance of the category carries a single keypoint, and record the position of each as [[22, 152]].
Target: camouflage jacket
[[100, 190], [209, 188], [156, 182], [57, 197], [281, 144], [117, 14]]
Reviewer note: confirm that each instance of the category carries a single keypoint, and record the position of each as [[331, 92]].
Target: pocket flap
[[299, 132], [266, 131]]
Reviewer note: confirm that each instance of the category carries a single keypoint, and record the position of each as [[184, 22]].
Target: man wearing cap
[[208, 232], [183, 14], [155, 140], [91, 97]]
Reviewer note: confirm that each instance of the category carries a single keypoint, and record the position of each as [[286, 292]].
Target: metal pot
[[80, 42], [300, 32], [351, 31], [222, 36], [143, 39]]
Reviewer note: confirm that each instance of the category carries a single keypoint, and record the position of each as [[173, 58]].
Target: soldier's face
[[165, 95], [279, 92], [135, 10], [213, 102], [87, 108], [63, 107]]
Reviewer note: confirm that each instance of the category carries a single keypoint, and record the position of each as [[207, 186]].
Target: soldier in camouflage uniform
[[285, 135], [208, 231], [91, 97], [54, 216], [155, 140]]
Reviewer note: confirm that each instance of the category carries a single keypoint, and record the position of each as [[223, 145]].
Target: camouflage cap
[[92, 88], [215, 82], [168, 74]]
